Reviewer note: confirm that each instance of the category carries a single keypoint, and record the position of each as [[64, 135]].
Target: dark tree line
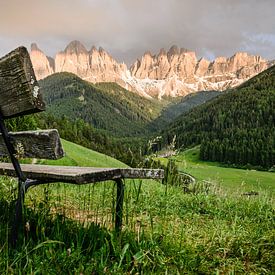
[[78, 131]]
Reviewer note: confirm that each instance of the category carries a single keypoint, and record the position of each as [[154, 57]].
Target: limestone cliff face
[[94, 65], [43, 66], [177, 62], [74, 59], [241, 65], [202, 67], [176, 72]]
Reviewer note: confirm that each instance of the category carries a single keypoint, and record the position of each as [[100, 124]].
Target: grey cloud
[[127, 28]]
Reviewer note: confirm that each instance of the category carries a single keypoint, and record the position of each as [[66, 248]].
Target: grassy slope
[[235, 180], [76, 155]]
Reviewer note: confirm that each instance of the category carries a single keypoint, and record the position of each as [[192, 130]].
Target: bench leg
[[119, 204], [18, 214]]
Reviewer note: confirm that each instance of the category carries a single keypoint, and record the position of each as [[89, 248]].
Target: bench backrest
[[20, 95], [19, 90]]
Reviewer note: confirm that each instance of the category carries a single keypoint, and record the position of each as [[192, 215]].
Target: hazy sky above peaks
[[128, 28]]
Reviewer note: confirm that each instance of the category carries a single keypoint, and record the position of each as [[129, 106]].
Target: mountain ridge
[[173, 73]]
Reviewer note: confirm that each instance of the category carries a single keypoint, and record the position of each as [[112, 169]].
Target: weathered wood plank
[[19, 90], [136, 173], [43, 144], [79, 175]]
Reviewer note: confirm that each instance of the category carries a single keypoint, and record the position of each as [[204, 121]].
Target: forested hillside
[[105, 106], [236, 128], [180, 106]]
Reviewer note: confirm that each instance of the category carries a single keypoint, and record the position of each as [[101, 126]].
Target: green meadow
[[217, 230], [76, 155], [232, 180]]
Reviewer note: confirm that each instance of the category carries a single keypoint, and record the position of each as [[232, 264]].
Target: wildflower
[[27, 227], [19, 148], [69, 251]]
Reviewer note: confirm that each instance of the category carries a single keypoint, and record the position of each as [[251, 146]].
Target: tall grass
[[69, 230], [214, 229]]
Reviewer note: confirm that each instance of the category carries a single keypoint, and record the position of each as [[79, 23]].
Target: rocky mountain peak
[[147, 53], [101, 50], [179, 72], [94, 65], [202, 67], [34, 47], [240, 55], [104, 53], [184, 50], [162, 52], [75, 47], [93, 49], [41, 63], [174, 50]]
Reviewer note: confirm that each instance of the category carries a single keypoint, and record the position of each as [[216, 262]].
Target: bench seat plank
[[79, 175]]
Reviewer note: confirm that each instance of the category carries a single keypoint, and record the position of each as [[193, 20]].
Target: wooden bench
[[20, 95]]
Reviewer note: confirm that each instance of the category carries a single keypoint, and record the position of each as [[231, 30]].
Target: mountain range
[[172, 73]]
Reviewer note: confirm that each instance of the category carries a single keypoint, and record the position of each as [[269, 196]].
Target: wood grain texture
[[19, 90], [80, 175], [43, 144]]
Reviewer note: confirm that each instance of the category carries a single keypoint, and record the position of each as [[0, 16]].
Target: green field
[[165, 231], [229, 179]]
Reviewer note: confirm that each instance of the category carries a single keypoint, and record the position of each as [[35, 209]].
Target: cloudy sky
[[128, 28]]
